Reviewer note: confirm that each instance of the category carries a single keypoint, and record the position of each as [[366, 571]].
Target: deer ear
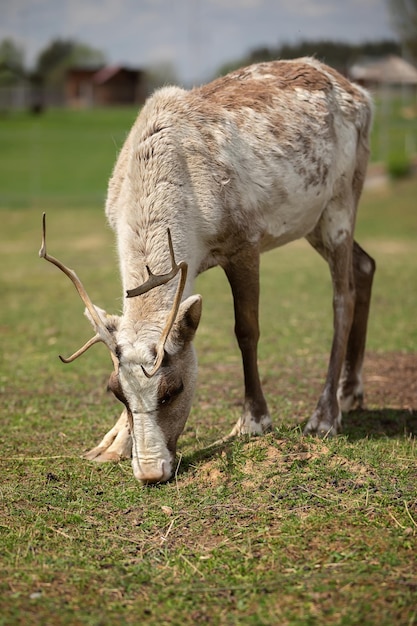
[[188, 318], [111, 322]]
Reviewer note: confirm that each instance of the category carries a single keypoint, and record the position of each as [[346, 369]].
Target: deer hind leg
[[337, 248], [115, 445], [350, 392], [243, 274]]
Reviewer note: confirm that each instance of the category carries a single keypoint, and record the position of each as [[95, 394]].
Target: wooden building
[[105, 86], [391, 70]]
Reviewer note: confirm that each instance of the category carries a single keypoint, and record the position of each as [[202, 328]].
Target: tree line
[[340, 55], [51, 63]]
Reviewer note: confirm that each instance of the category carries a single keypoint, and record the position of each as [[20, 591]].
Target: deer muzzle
[[151, 472]]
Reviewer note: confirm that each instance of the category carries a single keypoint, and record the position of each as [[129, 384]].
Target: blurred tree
[[339, 55], [161, 74], [60, 54], [11, 62], [404, 17]]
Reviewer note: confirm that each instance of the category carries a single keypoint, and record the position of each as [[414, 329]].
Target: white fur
[[222, 174]]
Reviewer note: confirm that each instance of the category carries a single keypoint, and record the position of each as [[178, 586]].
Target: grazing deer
[[215, 176]]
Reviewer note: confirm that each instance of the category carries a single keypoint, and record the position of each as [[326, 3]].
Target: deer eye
[[169, 395]]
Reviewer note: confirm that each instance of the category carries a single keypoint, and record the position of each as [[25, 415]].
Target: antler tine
[[86, 346], [155, 280], [73, 278], [103, 333], [160, 350]]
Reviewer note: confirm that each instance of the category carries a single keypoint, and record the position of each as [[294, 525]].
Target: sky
[[196, 36]]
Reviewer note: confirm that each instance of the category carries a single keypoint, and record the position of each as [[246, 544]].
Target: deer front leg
[[243, 274], [115, 445], [327, 418]]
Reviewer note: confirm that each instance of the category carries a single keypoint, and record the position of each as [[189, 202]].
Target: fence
[[65, 157], [59, 157], [25, 97]]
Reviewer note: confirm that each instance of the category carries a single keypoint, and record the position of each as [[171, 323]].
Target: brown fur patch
[[345, 84], [255, 86], [116, 388]]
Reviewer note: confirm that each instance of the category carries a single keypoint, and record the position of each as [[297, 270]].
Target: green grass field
[[274, 530], [64, 158]]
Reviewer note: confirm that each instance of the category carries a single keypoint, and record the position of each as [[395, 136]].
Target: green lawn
[[394, 133], [63, 158], [274, 530]]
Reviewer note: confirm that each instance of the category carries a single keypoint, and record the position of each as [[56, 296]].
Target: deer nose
[[150, 472]]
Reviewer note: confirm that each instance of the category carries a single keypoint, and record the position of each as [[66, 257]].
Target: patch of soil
[[390, 380]]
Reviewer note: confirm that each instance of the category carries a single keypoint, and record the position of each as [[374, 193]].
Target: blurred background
[[74, 73]]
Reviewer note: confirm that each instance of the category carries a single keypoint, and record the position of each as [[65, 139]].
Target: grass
[[281, 529], [394, 133], [274, 530], [60, 158], [63, 158]]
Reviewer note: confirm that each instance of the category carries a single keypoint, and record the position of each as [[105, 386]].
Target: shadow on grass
[[380, 423], [189, 461]]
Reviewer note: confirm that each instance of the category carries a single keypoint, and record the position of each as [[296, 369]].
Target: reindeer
[[215, 176]]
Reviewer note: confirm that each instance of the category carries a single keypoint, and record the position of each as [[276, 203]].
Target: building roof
[[108, 72], [390, 70]]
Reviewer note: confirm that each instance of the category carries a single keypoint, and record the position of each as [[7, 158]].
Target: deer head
[[155, 366]]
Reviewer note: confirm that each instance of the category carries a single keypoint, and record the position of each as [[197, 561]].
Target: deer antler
[[103, 334], [153, 281], [88, 344]]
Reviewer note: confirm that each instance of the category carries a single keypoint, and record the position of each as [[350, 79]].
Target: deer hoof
[[350, 393], [91, 455], [101, 454], [323, 428], [107, 456], [351, 401], [248, 425]]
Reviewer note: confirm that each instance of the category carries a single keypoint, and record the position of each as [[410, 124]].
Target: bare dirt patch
[[391, 380]]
